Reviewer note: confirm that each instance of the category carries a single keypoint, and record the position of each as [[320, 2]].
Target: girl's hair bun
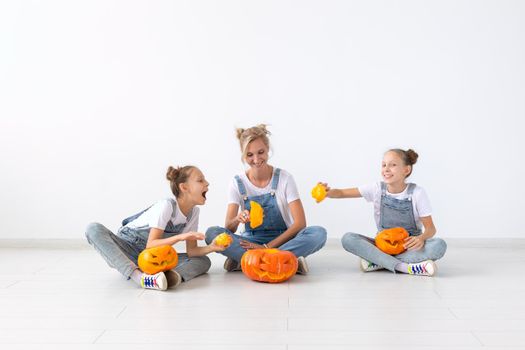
[[172, 173], [411, 157]]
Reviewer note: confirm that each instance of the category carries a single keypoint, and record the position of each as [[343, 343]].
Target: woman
[[284, 223]]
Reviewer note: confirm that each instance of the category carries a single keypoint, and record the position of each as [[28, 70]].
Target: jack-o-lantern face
[[269, 265], [157, 259], [391, 240], [223, 240], [256, 214], [319, 193]]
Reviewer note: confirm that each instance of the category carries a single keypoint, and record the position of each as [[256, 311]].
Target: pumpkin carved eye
[[269, 265], [391, 240], [256, 214], [319, 193], [223, 240], [157, 259]]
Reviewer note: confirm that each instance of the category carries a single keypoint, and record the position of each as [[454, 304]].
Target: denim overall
[[307, 241], [273, 223], [398, 212], [138, 236], [394, 213], [121, 251]]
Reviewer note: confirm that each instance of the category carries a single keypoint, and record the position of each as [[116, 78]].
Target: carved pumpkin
[[269, 265], [256, 214], [157, 259], [319, 193], [391, 240], [223, 240]]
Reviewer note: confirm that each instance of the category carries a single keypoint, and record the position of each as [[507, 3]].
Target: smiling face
[[393, 169], [256, 154], [195, 187]]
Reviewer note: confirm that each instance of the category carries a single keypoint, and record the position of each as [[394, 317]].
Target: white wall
[[97, 98]]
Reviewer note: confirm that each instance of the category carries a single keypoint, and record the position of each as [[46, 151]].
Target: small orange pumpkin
[[256, 214], [269, 265], [223, 240], [157, 259], [391, 240], [319, 193]]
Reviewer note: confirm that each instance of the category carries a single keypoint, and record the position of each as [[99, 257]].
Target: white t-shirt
[[285, 193], [420, 201], [160, 213]]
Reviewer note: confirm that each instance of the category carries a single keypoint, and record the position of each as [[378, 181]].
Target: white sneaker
[[424, 268], [367, 266], [157, 281], [173, 278], [302, 266]]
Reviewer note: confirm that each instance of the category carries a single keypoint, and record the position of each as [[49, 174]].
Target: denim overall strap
[[273, 223], [275, 180], [172, 230], [410, 190], [242, 189], [397, 212], [138, 236]]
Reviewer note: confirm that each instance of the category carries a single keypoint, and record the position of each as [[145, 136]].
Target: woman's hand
[[414, 243], [192, 236], [243, 216], [250, 245]]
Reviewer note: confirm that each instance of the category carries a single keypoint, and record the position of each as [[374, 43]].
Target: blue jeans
[[307, 241], [365, 248], [122, 254]]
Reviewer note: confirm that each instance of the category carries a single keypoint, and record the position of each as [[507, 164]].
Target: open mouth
[[204, 194]]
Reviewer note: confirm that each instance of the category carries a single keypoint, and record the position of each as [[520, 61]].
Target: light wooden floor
[[51, 299]]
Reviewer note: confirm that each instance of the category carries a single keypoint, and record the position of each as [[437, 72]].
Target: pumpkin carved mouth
[[391, 240], [157, 259], [269, 265]]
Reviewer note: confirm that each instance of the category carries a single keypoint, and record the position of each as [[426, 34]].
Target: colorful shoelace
[[149, 282], [417, 269]]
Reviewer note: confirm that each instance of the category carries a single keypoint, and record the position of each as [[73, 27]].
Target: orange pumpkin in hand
[[391, 240], [269, 265], [256, 214], [157, 259], [223, 240], [319, 193]]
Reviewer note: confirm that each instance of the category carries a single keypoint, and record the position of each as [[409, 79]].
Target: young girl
[[396, 204], [284, 224], [164, 223]]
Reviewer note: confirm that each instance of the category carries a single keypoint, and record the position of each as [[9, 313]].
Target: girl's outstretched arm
[[155, 237], [194, 250], [341, 192]]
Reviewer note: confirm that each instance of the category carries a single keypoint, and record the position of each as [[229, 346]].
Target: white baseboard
[[45, 243], [331, 243]]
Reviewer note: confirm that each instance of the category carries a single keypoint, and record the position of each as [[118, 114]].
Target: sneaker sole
[[227, 265], [366, 269], [302, 266], [173, 278]]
